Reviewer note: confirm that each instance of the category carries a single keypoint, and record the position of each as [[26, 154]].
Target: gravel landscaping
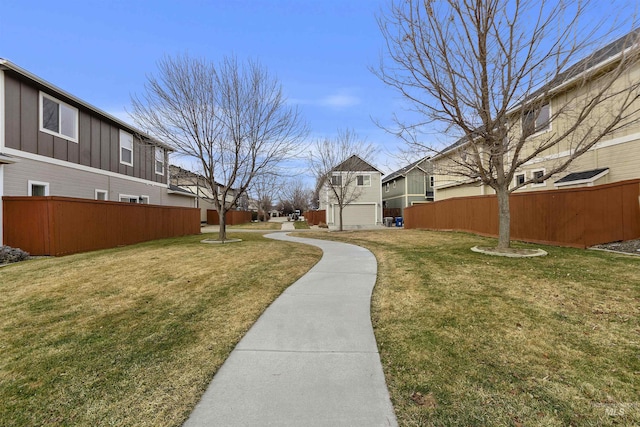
[[629, 246]]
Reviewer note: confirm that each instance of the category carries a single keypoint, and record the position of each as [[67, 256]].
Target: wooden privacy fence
[[315, 217], [232, 217], [578, 217], [64, 225], [391, 212]]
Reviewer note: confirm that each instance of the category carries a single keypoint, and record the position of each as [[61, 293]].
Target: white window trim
[[120, 146], [30, 184], [143, 200], [99, 191], [158, 151], [50, 132], [543, 183], [394, 183], [386, 189], [515, 178]]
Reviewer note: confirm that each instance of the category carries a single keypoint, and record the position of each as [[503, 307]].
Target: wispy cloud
[[339, 101]]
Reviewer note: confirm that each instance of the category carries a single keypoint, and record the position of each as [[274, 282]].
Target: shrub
[[9, 255], [323, 225]]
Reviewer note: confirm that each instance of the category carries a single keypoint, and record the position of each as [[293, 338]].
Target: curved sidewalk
[[311, 359]]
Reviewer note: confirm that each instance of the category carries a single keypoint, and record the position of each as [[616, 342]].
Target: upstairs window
[[386, 189], [537, 120], [520, 179], [126, 148], [159, 161], [58, 118], [336, 180], [364, 181], [432, 181]]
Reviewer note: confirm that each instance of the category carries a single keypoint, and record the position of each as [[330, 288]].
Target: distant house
[[55, 144], [407, 186], [616, 157], [362, 184], [197, 185]]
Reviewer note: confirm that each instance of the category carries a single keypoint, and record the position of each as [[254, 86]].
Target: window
[[128, 198], [534, 121], [336, 180], [520, 178], [102, 195], [386, 188], [364, 181], [144, 200], [394, 183], [58, 118], [37, 188], [432, 181], [159, 161], [536, 176], [126, 148]]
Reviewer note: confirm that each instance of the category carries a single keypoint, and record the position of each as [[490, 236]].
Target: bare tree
[[298, 195], [336, 163], [264, 190], [486, 73], [233, 118]]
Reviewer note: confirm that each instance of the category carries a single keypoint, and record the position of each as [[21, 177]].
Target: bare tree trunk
[[504, 219], [222, 234], [341, 229]]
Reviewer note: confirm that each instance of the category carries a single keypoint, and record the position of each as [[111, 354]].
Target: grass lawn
[[131, 336], [471, 339], [256, 226], [301, 225]]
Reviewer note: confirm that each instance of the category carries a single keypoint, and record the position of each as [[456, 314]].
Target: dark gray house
[[54, 144], [407, 186]]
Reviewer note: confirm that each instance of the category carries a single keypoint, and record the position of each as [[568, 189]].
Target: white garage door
[[356, 215]]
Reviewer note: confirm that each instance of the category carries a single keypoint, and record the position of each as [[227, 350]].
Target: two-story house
[[55, 144], [359, 186], [197, 184], [407, 186], [615, 157]]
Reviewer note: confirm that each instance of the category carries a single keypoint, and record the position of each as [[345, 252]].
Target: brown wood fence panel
[[391, 212], [232, 217], [315, 217], [63, 225], [577, 217]]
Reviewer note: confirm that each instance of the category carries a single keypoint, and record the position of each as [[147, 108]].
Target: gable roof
[[74, 100], [354, 164], [600, 56], [405, 170]]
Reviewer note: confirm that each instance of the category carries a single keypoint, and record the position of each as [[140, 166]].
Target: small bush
[[323, 225], [9, 255]]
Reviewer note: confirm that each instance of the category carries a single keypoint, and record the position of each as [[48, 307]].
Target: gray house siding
[[98, 143]]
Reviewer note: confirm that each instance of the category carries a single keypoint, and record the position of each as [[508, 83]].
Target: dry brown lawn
[[472, 339], [131, 336]]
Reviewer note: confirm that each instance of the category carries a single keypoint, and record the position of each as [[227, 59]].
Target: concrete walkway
[[311, 359]]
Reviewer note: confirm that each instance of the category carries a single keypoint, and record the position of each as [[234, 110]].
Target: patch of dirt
[[629, 246]]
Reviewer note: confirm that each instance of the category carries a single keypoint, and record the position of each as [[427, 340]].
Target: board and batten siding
[[98, 143]]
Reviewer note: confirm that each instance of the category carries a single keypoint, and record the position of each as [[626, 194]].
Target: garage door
[[356, 215]]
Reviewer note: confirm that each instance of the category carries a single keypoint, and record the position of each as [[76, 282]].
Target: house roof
[[354, 164], [180, 191], [67, 97], [403, 171], [600, 56], [582, 176]]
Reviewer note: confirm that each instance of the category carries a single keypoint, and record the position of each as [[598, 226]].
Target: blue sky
[[320, 50]]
